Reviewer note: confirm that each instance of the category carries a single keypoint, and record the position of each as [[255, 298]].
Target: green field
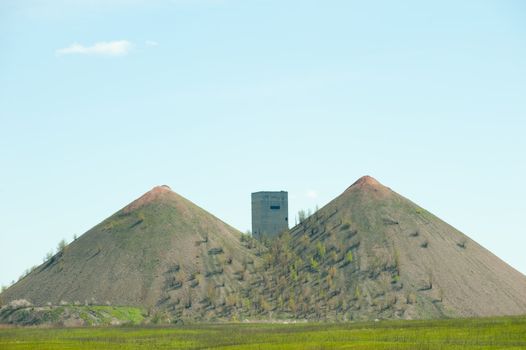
[[485, 333]]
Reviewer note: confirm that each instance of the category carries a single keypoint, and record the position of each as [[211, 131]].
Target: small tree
[[333, 256], [332, 271], [187, 297], [314, 265], [304, 240], [231, 299], [61, 245], [292, 303], [48, 256], [349, 257], [264, 304], [294, 275], [211, 293], [298, 263], [302, 215], [320, 247], [357, 292], [247, 304], [4, 288], [330, 281]]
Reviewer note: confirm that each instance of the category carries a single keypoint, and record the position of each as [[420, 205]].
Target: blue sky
[[102, 100]]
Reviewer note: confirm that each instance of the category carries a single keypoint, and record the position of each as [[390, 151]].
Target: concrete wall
[[270, 213]]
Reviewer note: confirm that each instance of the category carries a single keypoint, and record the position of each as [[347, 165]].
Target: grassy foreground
[[484, 333]]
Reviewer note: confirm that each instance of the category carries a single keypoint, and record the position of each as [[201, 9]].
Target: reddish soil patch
[[149, 197]]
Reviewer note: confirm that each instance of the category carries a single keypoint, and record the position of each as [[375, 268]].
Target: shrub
[[231, 299], [211, 293], [48, 257], [302, 215], [215, 251], [298, 263], [334, 256], [294, 275], [462, 244], [410, 298], [187, 298], [160, 317], [330, 280], [264, 304], [247, 303], [349, 257], [292, 303], [304, 240], [332, 271], [314, 265], [357, 292], [245, 237], [345, 226], [320, 247], [61, 245]]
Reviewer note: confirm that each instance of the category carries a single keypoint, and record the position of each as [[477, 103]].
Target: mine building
[[270, 213]]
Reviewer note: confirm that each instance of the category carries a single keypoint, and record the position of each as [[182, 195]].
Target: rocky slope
[[370, 253], [159, 252]]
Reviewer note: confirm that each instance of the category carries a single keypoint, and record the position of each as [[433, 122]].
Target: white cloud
[[103, 48], [312, 194], [151, 43]]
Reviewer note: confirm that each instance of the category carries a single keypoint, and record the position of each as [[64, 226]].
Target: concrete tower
[[270, 213]]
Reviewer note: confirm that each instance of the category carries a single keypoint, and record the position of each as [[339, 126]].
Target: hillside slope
[[371, 253], [161, 251]]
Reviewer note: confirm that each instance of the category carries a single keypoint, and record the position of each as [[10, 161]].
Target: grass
[[93, 315], [105, 314], [483, 333]]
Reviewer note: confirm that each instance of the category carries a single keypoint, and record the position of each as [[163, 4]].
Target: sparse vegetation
[[302, 215], [326, 268], [48, 256], [24, 313], [61, 246], [321, 250], [349, 257], [215, 251], [345, 226], [314, 265]]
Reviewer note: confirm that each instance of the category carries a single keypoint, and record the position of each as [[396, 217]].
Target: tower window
[[275, 207]]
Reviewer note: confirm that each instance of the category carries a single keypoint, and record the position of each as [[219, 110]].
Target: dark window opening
[[274, 207]]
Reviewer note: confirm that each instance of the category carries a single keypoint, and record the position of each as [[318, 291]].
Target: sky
[[102, 100]]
